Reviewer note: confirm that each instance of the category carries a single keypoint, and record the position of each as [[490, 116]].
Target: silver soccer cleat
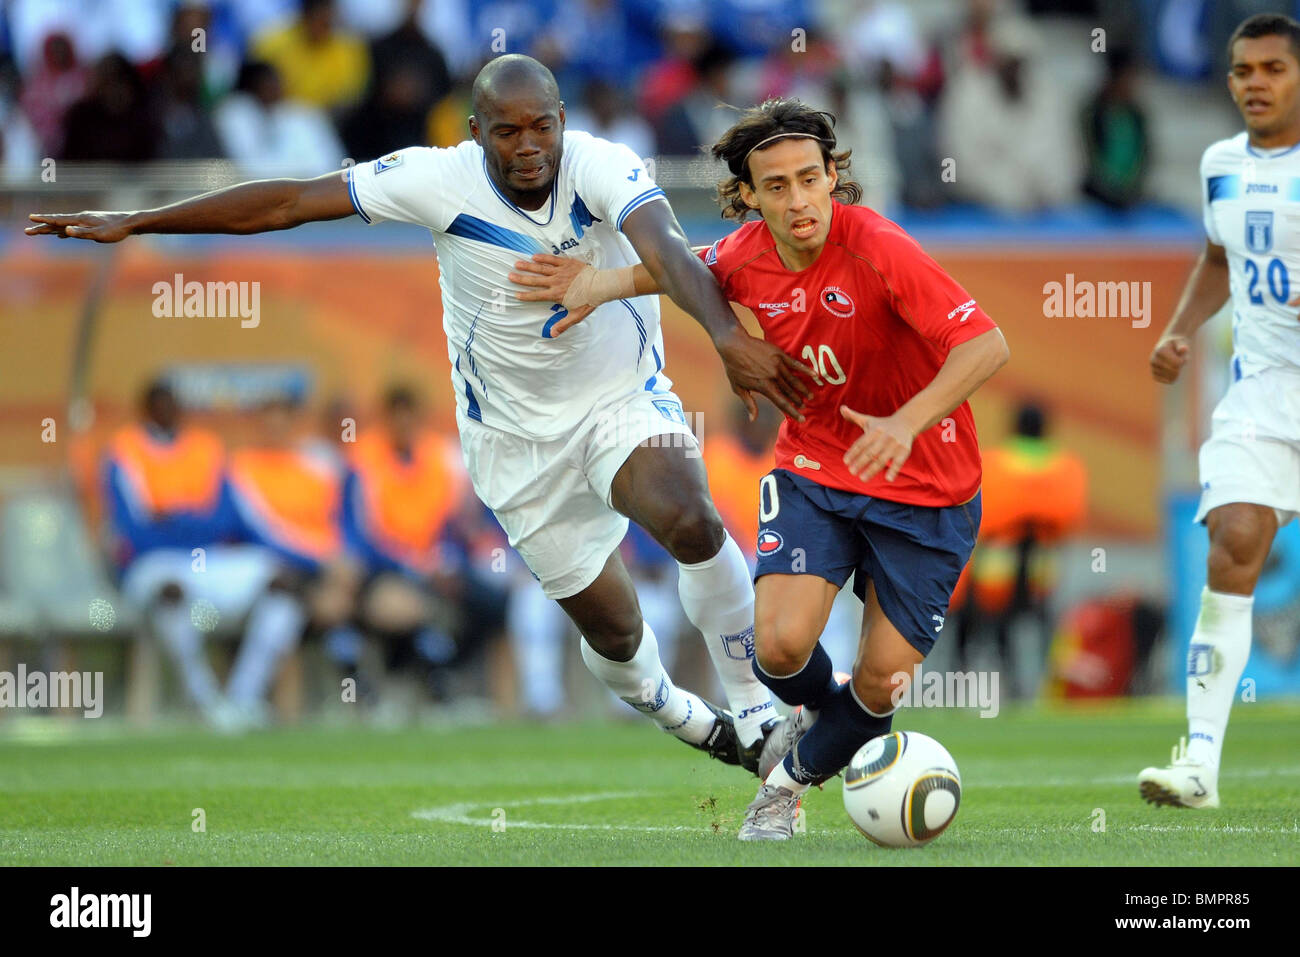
[[784, 736], [770, 816]]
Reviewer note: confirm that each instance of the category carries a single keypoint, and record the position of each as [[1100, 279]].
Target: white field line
[[459, 813]]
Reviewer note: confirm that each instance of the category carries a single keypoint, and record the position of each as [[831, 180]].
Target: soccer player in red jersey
[[881, 480]]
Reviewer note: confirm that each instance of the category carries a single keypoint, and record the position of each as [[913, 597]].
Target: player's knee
[[878, 688], [782, 646], [1236, 543], [692, 531], [617, 641]]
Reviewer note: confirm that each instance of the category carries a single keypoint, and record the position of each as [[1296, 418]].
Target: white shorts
[[1253, 452], [230, 577], [553, 497]]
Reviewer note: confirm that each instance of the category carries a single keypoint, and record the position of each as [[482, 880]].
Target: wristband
[[592, 286]]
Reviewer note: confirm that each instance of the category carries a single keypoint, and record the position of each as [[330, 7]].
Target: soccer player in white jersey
[[1250, 465], [554, 431]]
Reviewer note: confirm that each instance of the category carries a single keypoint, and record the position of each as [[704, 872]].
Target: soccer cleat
[[1185, 783], [751, 758], [770, 816], [783, 734], [721, 742]]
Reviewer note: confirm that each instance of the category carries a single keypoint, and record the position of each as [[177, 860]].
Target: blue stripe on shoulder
[[1227, 186]]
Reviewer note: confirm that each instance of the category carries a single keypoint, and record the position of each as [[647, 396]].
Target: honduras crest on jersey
[[1259, 230]]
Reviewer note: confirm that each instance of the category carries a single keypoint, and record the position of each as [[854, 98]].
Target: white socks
[[1217, 657], [718, 597], [644, 684], [274, 626], [184, 642], [780, 777]]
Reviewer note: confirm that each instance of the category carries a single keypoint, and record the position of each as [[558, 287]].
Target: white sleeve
[[612, 180], [1207, 210], [414, 185]]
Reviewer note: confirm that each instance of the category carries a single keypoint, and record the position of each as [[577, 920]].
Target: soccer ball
[[902, 789]]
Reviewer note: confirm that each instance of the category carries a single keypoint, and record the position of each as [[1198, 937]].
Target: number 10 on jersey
[[824, 361]]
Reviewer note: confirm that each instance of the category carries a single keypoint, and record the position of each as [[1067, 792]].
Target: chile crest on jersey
[[837, 302]]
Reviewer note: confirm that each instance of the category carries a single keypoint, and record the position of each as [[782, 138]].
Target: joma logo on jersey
[[567, 244], [1260, 188], [1259, 231]]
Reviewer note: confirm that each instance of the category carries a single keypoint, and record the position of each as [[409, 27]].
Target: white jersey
[[1252, 209], [507, 370]]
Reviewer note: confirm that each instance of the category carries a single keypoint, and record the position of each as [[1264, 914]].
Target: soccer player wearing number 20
[[882, 480], [1250, 465]]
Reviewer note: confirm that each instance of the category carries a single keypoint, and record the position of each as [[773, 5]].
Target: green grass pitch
[[1036, 783]]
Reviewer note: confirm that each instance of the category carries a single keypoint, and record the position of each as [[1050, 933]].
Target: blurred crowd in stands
[[296, 87]]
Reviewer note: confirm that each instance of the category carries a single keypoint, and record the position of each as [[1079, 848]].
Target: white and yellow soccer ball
[[902, 789]]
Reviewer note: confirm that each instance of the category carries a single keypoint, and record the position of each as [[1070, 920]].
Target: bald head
[[519, 121], [510, 77]]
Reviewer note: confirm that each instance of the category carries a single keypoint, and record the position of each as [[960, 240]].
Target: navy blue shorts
[[913, 553]]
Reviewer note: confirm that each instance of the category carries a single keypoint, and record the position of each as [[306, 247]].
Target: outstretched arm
[[574, 284], [255, 207]]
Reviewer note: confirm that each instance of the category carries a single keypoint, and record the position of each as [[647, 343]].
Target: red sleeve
[[718, 258], [924, 295]]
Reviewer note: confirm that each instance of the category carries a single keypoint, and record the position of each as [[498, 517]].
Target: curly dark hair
[[777, 117]]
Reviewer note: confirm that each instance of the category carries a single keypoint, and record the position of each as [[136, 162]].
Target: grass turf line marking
[[458, 814]]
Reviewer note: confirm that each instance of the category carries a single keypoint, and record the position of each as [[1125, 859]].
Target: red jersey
[[876, 317]]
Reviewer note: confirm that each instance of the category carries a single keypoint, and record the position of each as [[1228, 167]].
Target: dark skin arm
[[752, 364], [256, 207], [1205, 293]]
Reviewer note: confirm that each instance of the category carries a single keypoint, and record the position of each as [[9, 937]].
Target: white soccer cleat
[[1185, 783]]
